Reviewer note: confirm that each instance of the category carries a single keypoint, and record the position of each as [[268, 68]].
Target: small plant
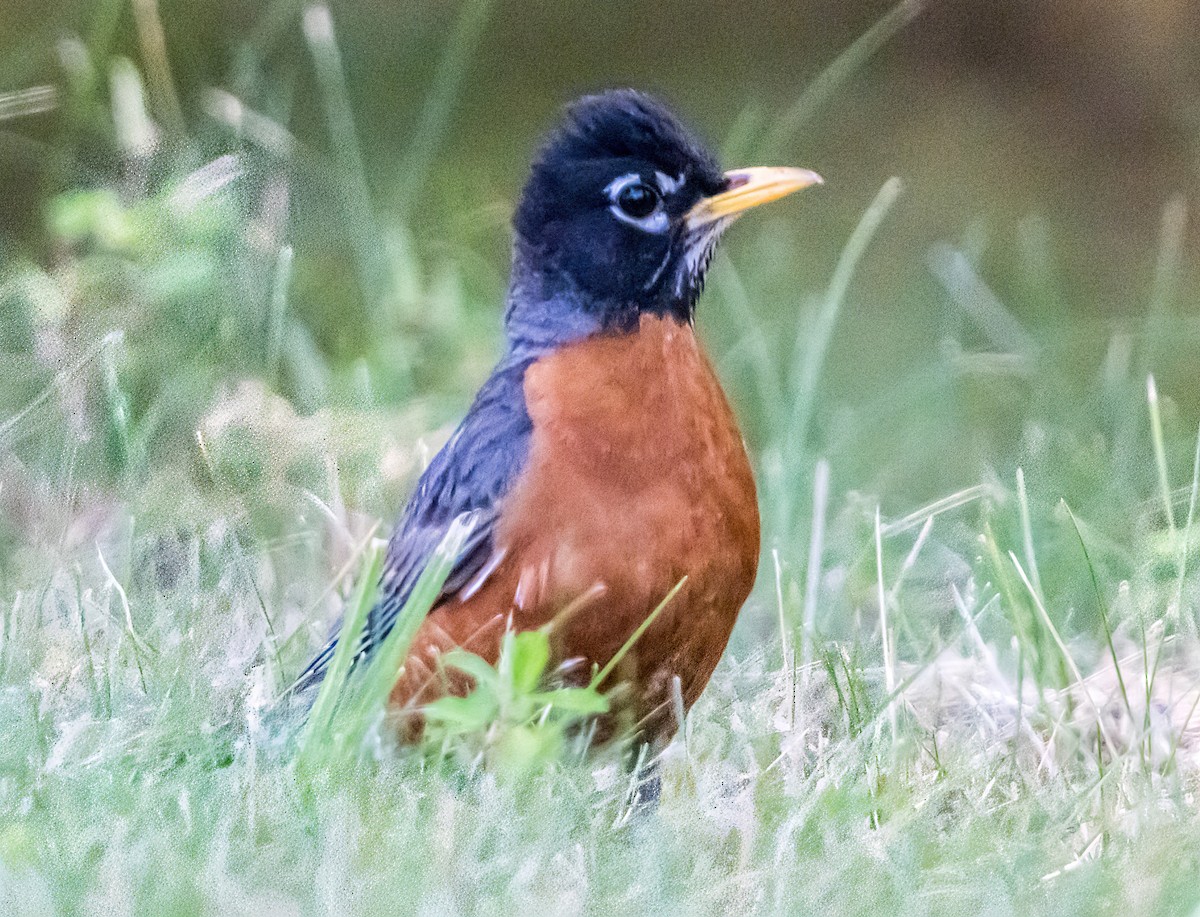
[[510, 716]]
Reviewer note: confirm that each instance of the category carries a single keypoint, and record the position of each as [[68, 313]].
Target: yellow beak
[[748, 188]]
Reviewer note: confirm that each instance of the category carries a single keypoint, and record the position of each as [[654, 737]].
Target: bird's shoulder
[[476, 465]]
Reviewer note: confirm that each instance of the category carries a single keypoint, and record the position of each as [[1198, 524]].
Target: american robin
[[600, 458]]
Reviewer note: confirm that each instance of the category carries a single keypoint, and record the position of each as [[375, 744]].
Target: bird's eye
[[638, 200]]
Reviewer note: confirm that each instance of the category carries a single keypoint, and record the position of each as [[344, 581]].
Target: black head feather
[[584, 263], [626, 124]]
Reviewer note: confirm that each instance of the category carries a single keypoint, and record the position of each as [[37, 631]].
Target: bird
[[600, 463]]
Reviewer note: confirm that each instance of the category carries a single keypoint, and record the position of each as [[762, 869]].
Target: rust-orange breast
[[637, 476]]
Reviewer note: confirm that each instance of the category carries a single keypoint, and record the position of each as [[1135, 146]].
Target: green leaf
[[530, 654], [476, 666], [521, 748], [584, 701], [463, 714], [79, 214]]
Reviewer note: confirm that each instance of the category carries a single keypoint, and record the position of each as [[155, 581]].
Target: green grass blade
[[958, 275], [1187, 537], [99, 350], [816, 553], [941, 505], [153, 42], [809, 356], [599, 677], [320, 718], [1027, 532], [439, 103], [369, 698], [835, 76], [278, 311], [1067, 658], [361, 225], [885, 633], [1169, 267], [1160, 451], [1104, 616]]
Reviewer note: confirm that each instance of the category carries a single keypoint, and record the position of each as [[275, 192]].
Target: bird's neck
[[544, 312], [541, 316]]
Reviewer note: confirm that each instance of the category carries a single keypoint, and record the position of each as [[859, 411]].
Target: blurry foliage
[[170, 283]]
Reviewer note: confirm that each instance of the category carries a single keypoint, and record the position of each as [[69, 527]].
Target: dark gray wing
[[471, 474]]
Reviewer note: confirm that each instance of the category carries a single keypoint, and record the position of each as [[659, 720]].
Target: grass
[[967, 682]]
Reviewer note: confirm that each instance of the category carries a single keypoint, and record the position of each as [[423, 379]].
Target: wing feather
[[471, 474]]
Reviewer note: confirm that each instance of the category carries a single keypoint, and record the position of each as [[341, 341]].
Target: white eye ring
[[654, 222]]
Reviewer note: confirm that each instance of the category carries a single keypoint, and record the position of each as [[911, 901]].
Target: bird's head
[[620, 217]]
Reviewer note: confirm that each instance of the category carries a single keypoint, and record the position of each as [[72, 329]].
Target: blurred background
[[254, 250]]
